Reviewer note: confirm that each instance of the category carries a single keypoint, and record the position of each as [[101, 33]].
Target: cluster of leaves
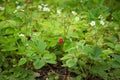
[[31, 38]]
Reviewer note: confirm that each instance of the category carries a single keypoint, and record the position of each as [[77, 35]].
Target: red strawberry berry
[[61, 40]]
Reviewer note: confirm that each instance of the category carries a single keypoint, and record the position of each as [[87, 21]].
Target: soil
[[58, 73]]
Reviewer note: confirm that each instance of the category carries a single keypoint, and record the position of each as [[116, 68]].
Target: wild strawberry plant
[[83, 35]]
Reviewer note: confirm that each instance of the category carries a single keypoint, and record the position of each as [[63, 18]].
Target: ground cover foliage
[[78, 37]]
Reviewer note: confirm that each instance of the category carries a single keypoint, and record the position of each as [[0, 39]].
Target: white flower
[[21, 35], [100, 17], [102, 22], [46, 9], [39, 7], [74, 13], [18, 7], [2, 8], [58, 11], [92, 23], [77, 18]]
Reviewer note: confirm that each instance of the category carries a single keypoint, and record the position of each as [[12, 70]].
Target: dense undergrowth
[[83, 35]]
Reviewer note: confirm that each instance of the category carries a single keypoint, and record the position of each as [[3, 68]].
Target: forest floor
[[57, 72]]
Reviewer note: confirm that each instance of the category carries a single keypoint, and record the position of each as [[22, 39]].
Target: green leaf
[[109, 44], [114, 64], [116, 73], [117, 58], [39, 63], [68, 46], [117, 47], [38, 45], [22, 61], [96, 1], [9, 48], [51, 77], [106, 53], [9, 31], [88, 50], [67, 56], [99, 70], [7, 23], [50, 58], [41, 45], [82, 63], [116, 15], [97, 51], [71, 62]]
